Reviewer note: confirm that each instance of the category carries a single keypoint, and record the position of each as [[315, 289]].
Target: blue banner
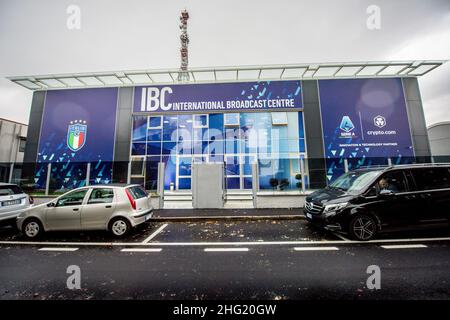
[[78, 126], [218, 97], [365, 121]]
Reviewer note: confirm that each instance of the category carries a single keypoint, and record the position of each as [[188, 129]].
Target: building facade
[[439, 135], [13, 137], [301, 133]]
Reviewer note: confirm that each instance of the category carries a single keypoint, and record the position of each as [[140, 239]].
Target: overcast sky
[[144, 34]]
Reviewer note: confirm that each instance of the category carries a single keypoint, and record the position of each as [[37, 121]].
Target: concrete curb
[[238, 218]]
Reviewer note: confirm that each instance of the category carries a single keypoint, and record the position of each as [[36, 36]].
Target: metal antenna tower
[[183, 75]]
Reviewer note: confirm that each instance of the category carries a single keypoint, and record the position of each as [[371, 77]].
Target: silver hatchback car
[[13, 201], [101, 207]]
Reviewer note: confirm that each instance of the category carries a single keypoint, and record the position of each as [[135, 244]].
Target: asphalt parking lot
[[223, 259], [216, 231]]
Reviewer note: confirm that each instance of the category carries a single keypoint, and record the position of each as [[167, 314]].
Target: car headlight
[[331, 208]]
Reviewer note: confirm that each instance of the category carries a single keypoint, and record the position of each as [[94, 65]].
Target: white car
[[116, 208], [13, 201]]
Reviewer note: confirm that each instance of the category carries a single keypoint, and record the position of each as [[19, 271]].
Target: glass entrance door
[[238, 171], [183, 172]]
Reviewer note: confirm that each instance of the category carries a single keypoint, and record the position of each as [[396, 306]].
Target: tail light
[[30, 199], [130, 197]]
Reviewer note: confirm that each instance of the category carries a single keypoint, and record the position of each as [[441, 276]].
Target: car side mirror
[[51, 204], [386, 193]]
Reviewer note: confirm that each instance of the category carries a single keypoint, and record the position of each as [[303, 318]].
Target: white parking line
[[58, 249], [154, 234], [225, 249], [404, 246], [316, 248], [218, 243], [141, 250]]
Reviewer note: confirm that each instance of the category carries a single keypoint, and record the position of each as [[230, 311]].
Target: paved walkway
[[201, 214]]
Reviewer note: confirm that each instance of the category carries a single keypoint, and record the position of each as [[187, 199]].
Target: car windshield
[[355, 181]]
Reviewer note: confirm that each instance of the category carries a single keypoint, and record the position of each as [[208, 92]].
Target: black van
[[366, 201]]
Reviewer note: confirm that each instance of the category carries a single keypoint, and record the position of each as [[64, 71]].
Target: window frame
[[134, 158], [195, 126], [226, 116], [160, 122], [285, 123]]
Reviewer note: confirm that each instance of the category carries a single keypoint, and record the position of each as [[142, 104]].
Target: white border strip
[[404, 246], [141, 250], [225, 249], [58, 249], [316, 248], [154, 234], [217, 243]]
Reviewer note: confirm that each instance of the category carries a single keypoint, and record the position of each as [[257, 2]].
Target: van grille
[[312, 207]]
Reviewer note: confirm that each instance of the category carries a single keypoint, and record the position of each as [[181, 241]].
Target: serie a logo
[[76, 135]]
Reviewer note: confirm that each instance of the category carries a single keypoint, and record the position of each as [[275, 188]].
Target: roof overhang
[[385, 69]]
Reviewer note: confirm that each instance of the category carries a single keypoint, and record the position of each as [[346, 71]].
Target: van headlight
[[332, 208]]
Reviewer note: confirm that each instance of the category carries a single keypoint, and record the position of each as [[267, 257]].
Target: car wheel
[[119, 227], [363, 227], [32, 228]]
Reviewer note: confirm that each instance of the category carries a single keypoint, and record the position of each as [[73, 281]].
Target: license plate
[[11, 202], [309, 216]]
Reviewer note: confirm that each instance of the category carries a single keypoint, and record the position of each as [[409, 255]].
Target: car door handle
[[108, 206], [75, 209]]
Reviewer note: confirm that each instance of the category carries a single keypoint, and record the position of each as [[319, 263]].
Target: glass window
[[170, 124], [138, 149], [137, 166], [151, 173], [154, 135], [200, 147], [169, 147], [232, 165], [185, 147], [231, 119], [169, 172], [154, 148], [184, 183], [184, 127], [22, 143], [155, 122], [184, 166], [302, 147], [74, 198], [232, 146], [200, 121], [104, 195], [216, 147], [216, 126], [394, 181], [200, 134], [431, 178], [279, 119], [139, 128], [233, 183]]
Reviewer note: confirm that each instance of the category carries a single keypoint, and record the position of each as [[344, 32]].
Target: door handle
[[108, 206], [75, 209]]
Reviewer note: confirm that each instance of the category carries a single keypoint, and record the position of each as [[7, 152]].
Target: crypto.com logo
[[379, 121]]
